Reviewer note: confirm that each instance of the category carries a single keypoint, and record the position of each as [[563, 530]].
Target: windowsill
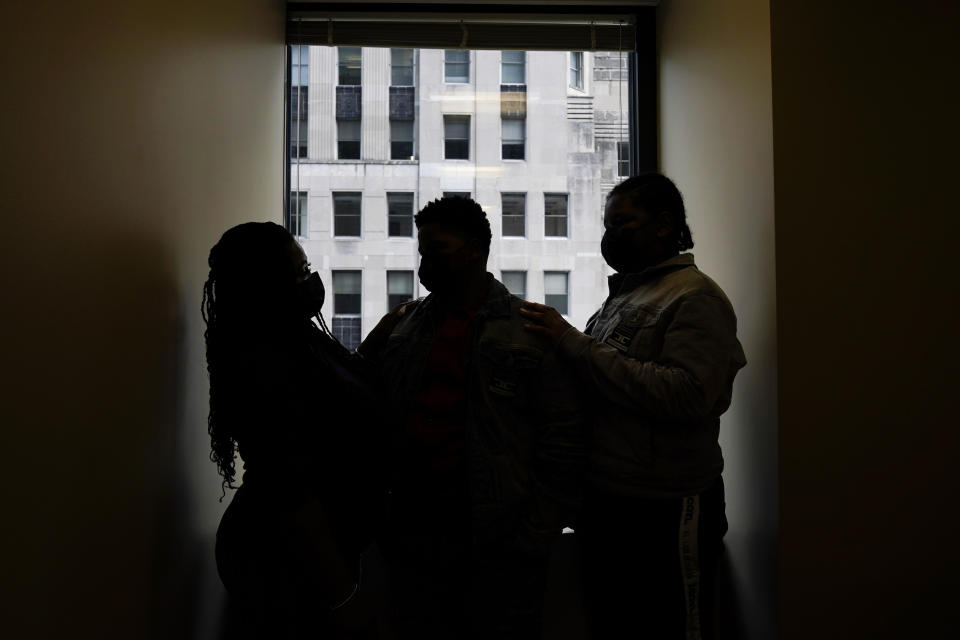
[[556, 237], [465, 160], [294, 162], [348, 238], [514, 160]]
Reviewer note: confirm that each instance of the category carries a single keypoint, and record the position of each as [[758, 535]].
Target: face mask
[[617, 249], [438, 273], [311, 294]]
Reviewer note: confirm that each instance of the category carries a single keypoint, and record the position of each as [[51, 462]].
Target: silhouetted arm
[[700, 350]]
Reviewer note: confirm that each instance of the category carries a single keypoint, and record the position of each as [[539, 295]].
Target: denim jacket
[[525, 436], [660, 357]]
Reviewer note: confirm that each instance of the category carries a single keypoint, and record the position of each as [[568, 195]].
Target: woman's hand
[[544, 320], [377, 338]]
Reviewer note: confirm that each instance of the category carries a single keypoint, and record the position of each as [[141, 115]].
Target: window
[[515, 282], [399, 288], [456, 137], [623, 159], [555, 290], [400, 215], [456, 194], [297, 214], [513, 67], [346, 214], [513, 207], [456, 66], [555, 214], [348, 139], [299, 89], [576, 69], [512, 132], [401, 140], [401, 67], [349, 65], [346, 307]]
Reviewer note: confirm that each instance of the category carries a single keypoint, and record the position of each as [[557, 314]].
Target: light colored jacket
[[660, 357]]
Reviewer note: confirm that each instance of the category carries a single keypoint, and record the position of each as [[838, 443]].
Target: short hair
[[457, 213], [655, 193]]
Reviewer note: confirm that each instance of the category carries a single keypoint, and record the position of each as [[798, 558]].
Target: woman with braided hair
[[300, 410]]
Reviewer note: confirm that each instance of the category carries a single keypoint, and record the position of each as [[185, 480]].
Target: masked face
[[311, 294], [445, 259], [631, 237]]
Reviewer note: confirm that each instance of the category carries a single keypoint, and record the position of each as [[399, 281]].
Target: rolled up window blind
[[541, 31]]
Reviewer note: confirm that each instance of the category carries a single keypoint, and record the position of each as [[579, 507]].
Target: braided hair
[[656, 193], [249, 296]]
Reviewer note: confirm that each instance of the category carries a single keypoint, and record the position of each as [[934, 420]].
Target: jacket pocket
[[635, 329]]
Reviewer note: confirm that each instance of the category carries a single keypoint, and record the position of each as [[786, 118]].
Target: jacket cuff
[[573, 343]]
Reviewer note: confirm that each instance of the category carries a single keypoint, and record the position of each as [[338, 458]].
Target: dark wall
[[865, 116]]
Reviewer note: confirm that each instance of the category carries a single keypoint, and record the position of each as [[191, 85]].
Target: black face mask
[[311, 294], [437, 273], [617, 249]]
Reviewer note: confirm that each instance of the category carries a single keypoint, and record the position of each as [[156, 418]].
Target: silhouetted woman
[[299, 408]]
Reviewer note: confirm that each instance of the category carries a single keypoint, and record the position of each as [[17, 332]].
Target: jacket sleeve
[[700, 350]]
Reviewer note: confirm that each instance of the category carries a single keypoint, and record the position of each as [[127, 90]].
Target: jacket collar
[[495, 305], [624, 282]]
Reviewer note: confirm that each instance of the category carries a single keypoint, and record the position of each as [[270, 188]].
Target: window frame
[[333, 206], [523, 64], [413, 139], [565, 217], [468, 63], [358, 141], [405, 272], [523, 140], [302, 198], [469, 119], [524, 216], [523, 275], [566, 295], [413, 206], [570, 70], [358, 316], [340, 65], [413, 66]]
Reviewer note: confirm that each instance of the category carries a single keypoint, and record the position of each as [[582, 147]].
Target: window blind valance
[[546, 32]]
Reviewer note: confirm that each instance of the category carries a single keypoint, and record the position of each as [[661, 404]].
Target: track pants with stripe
[[649, 565]]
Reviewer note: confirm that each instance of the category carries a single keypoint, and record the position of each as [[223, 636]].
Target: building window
[[456, 194], [299, 89], [400, 215], [346, 307], [576, 69], [515, 282], [513, 67], [401, 67], [349, 65], [623, 159], [401, 140], [399, 288], [555, 290], [346, 214], [348, 139], [555, 214], [513, 135], [456, 66], [456, 137], [513, 217], [297, 214]]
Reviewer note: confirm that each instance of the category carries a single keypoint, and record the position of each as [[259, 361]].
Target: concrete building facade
[[535, 137]]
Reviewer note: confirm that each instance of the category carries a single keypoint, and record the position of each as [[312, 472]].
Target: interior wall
[[865, 110], [134, 133], [716, 143]]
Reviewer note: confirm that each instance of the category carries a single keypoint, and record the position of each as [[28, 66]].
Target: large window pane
[[456, 66], [401, 67], [513, 207], [456, 137], [297, 214], [346, 214], [348, 65], [399, 287], [555, 290], [555, 214], [299, 99], [401, 139], [513, 134], [400, 214], [623, 159], [348, 139], [299, 65], [515, 282], [513, 67]]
